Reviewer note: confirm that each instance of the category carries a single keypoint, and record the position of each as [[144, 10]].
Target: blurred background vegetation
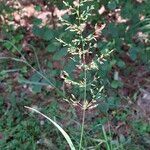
[[29, 28]]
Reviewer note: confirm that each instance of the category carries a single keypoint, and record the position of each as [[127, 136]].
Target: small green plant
[[88, 85]]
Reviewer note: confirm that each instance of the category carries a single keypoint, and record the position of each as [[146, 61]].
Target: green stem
[[106, 138], [39, 73], [85, 78], [84, 109], [50, 83], [79, 22]]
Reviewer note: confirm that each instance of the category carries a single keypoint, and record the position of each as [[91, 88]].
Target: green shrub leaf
[[53, 46], [59, 54]]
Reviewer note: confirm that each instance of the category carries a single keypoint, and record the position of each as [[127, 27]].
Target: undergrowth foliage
[[85, 60]]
